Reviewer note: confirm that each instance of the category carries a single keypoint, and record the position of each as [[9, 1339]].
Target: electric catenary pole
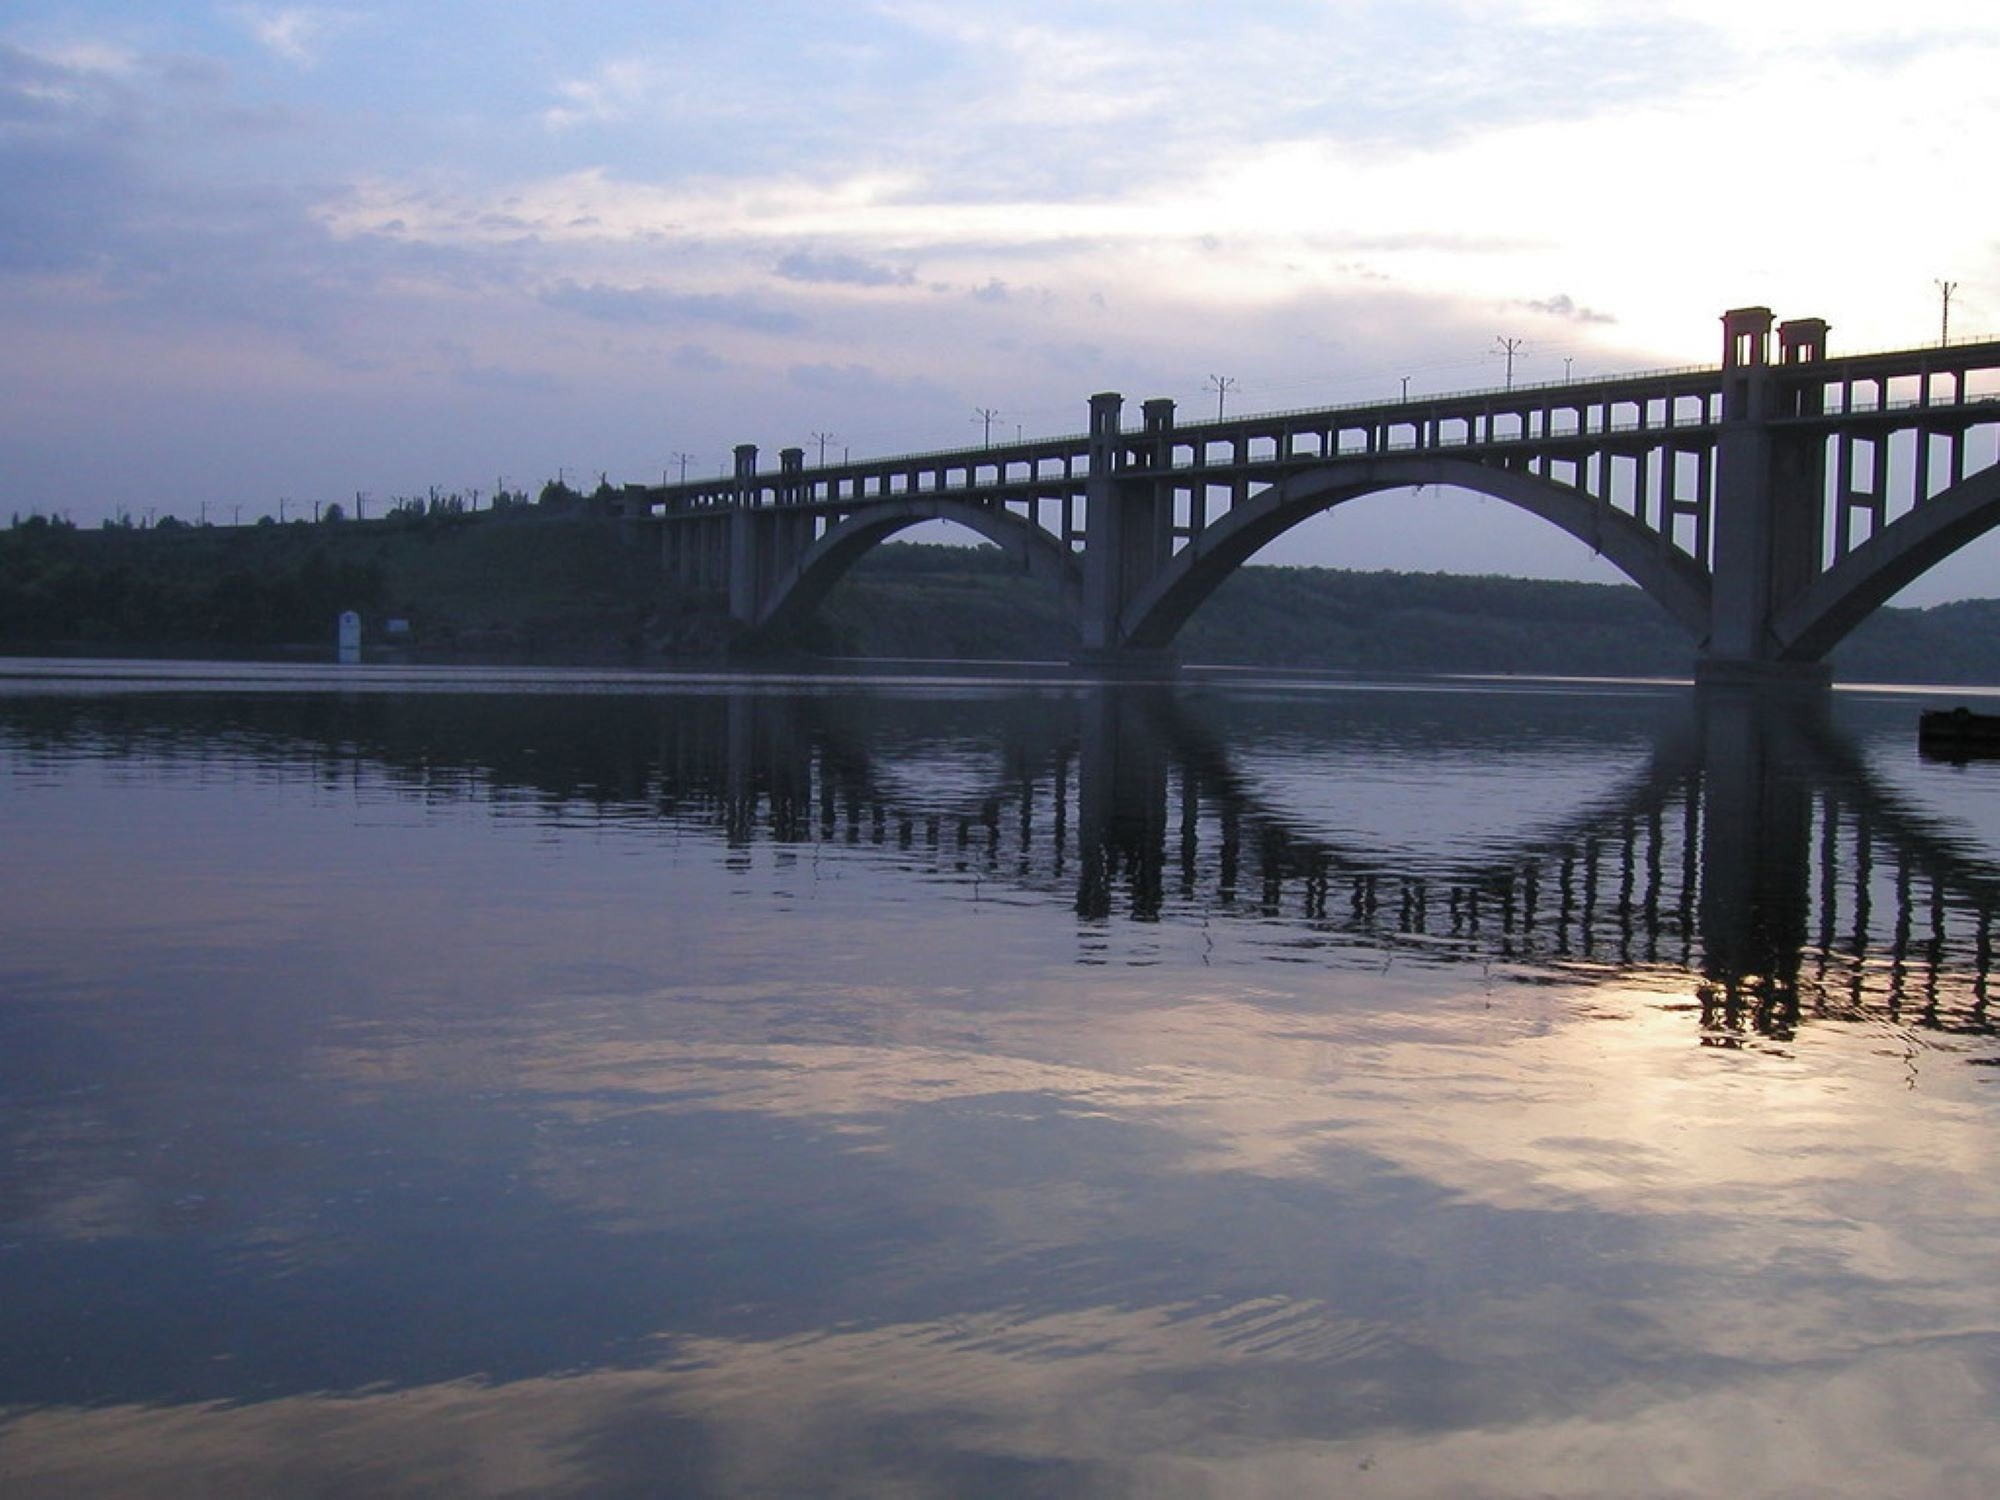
[[1509, 347], [1222, 385], [1945, 289]]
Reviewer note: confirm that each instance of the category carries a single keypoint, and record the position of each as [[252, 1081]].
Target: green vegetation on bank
[[521, 582], [549, 582]]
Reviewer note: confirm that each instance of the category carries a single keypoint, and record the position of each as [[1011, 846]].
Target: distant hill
[[907, 600], [529, 584]]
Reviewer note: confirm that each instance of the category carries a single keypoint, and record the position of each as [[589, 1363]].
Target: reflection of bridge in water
[[1748, 854], [1752, 851]]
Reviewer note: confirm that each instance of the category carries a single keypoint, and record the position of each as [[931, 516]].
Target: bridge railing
[[1070, 444], [1417, 410]]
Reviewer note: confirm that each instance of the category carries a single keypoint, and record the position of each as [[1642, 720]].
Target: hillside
[[514, 584], [564, 587], [935, 602]]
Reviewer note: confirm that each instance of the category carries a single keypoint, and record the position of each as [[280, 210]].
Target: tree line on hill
[[922, 601], [557, 582]]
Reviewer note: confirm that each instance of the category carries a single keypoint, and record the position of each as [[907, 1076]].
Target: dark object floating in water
[[1958, 733]]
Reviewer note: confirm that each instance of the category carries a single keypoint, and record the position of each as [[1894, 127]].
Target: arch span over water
[[802, 587], [1673, 579]]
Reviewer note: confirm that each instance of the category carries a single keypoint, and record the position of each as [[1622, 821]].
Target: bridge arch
[[1672, 578], [1887, 563], [801, 587]]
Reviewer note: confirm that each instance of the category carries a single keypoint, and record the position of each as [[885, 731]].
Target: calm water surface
[[557, 1084]]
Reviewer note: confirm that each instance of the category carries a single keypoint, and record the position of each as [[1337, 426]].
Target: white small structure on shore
[[350, 638]]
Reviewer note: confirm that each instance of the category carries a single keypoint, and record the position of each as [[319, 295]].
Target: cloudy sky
[[252, 251]]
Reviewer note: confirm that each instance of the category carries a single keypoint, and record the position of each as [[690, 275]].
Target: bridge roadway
[[1768, 503]]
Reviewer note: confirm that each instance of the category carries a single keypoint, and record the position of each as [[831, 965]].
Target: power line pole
[[1222, 385], [986, 415], [1406, 387], [683, 459], [1946, 288], [1509, 347], [822, 438]]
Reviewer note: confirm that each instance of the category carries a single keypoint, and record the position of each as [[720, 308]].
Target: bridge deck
[[1556, 420]]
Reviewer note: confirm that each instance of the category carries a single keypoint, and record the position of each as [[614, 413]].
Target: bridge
[[1769, 503]]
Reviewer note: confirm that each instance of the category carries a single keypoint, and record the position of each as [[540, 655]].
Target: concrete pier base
[[1128, 663], [1765, 676]]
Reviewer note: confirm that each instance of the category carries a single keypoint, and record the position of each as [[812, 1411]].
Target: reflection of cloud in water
[[940, 777], [1414, 806], [1102, 1403], [1572, 1153]]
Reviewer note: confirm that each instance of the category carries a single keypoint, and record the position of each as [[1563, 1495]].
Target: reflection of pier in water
[[1751, 855]]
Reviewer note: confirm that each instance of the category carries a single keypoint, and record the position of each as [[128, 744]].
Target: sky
[[263, 252]]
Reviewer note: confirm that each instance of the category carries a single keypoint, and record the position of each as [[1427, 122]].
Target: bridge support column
[[1128, 536], [764, 539], [745, 594], [694, 551], [1769, 500]]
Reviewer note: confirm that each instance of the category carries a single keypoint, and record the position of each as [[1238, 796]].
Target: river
[[429, 1081]]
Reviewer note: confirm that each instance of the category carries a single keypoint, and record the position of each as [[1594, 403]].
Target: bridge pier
[[765, 540], [1762, 675], [1769, 502], [1128, 535]]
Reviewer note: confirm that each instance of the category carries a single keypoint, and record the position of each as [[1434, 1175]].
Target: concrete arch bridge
[[1768, 503]]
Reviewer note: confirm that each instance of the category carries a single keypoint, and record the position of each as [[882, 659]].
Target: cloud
[[870, 389], [495, 378], [292, 32], [843, 270], [1080, 355], [654, 306], [615, 92], [698, 359], [1562, 305]]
